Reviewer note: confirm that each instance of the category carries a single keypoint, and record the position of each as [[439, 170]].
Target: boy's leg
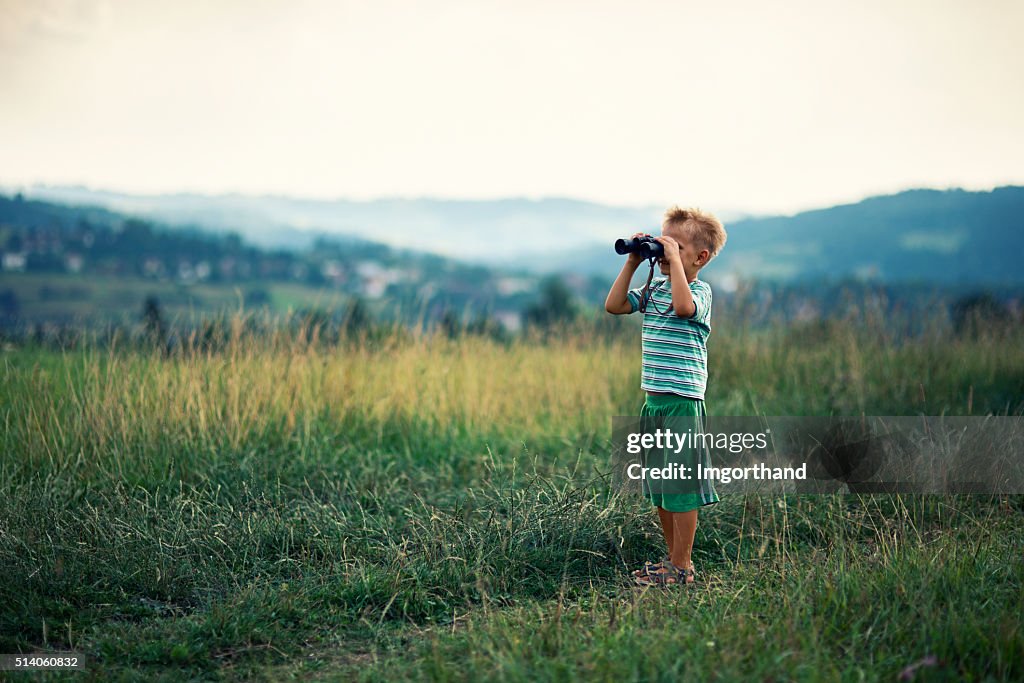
[[684, 528], [667, 528]]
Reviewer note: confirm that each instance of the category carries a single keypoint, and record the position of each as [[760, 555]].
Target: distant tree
[[450, 325], [486, 326], [137, 233], [256, 297], [978, 312], [555, 305], [153, 321], [357, 317], [9, 304]]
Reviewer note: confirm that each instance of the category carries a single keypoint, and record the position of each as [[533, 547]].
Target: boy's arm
[[617, 301], [682, 297], [684, 303]]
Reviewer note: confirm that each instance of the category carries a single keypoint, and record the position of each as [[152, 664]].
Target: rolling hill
[[930, 237], [920, 236]]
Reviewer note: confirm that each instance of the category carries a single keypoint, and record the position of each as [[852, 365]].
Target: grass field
[[107, 299], [433, 509]]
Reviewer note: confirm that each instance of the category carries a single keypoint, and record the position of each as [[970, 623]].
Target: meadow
[[432, 508]]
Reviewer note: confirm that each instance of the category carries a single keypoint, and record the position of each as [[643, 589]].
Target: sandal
[[650, 567], [669, 575]]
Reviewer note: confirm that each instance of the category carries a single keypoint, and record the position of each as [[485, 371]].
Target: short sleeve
[[634, 296], [701, 293]]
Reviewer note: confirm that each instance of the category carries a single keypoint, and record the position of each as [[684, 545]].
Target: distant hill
[[44, 239], [915, 236], [62, 263], [489, 231], [919, 236]]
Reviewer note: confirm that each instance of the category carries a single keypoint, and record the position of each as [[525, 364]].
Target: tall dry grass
[[278, 494]]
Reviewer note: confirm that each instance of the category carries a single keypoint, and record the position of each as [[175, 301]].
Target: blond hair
[[703, 228]]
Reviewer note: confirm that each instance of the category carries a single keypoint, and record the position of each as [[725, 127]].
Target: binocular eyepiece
[[647, 247]]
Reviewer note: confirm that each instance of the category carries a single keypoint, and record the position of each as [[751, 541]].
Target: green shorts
[[686, 414]]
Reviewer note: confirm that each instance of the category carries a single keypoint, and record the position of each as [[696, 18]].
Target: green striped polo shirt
[[675, 351]]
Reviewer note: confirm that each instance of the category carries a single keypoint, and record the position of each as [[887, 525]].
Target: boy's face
[[688, 253]]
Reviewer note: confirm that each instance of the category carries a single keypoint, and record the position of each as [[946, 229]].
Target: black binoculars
[[647, 247]]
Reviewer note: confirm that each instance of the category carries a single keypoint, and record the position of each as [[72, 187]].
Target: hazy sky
[[730, 105]]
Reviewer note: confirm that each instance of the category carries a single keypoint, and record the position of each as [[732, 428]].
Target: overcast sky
[[727, 105]]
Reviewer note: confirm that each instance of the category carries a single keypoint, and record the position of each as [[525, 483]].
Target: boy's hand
[[671, 248], [633, 257]]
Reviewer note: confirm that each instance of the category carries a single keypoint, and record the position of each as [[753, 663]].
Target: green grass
[[440, 510], [98, 299]]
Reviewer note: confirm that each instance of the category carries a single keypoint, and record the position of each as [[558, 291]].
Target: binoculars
[[647, 247]]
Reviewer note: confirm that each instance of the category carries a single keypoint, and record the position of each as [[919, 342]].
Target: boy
[[677, 322]]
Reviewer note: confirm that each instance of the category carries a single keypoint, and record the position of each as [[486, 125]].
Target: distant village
[[57, 261], [42, 238]]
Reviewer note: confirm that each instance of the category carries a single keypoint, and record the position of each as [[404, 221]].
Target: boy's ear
[[703, 256]]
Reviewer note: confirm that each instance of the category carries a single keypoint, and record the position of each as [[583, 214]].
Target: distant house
[[15, 261], [186, 273], [510, 320], [153, 267], [73, 263], [514, 285], [332, 271], [374, 288], [375, 279]]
